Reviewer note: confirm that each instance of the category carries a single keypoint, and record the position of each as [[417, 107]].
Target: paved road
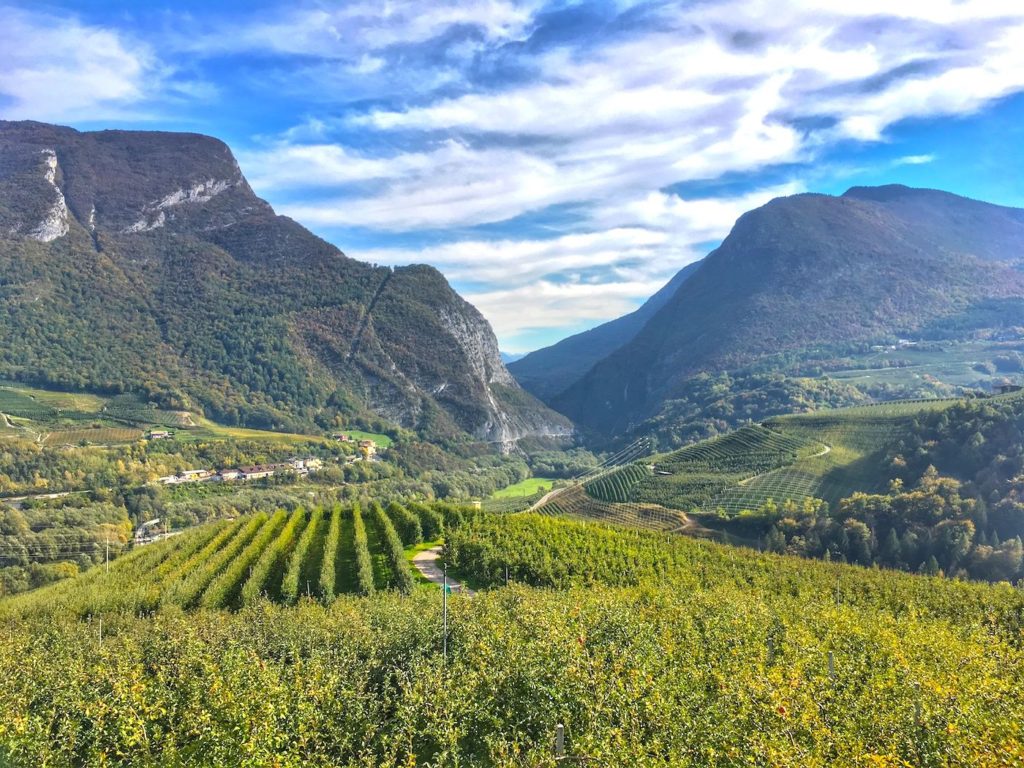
[[428, 562]]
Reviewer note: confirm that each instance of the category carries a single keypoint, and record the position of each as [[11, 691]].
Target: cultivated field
[[281, 556], [824, 454]]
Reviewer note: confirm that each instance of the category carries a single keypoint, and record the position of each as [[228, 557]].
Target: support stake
[[444, 614]]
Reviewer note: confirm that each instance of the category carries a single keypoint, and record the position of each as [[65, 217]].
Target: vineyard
[[130, 409], [99, 436], [823, 454], [651, 650], [618, 484], [20, 405], [316, 553]]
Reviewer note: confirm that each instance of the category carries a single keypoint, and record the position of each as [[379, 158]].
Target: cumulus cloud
[[696, 96], [585, 276], [914, 160], [546, 304], [353, 31], [57, 68]]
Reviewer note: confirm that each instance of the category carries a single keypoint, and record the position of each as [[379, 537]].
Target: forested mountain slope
[[807, 275], [143, 261]]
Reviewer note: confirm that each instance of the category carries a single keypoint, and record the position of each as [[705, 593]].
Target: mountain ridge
[[809, 272], [188, 287]]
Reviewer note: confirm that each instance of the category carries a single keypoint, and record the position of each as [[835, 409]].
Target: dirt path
[[548, 497], [428, 563], [823, 452]]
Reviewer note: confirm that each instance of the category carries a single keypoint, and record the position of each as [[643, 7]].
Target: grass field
[[51, 399], [527, 487], [382, 441]]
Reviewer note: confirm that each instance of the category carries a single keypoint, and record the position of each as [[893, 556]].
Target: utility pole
[[444, 614]]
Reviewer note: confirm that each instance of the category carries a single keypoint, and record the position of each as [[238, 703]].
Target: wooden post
[[559, 741], [832, 667]]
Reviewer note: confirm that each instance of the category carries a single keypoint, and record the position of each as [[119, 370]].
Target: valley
[[773, 516]]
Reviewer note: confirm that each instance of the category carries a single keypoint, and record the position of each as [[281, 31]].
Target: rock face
[[188, 287]]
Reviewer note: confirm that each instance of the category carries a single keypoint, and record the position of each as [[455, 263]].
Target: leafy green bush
[[406, 523], [328, 569], [263, 576], [364, 567], [395, 549], [223, 590], [290, 583]]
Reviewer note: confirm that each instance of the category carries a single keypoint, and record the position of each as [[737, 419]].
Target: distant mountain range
[[143, 261], [550, 371], [807, 276]]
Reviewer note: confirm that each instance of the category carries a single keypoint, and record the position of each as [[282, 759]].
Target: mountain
[[813, 275], [143, 261], [550, 371]]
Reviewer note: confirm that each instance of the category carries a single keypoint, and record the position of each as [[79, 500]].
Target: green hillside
[[191, 292], [651, 651], [827, 454], [809, 281]]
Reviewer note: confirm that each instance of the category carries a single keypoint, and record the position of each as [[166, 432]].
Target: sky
[[557, 161]]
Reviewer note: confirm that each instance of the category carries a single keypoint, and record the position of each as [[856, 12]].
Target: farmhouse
[[256, 472], [228, 474], [194, 475], [159, 434]]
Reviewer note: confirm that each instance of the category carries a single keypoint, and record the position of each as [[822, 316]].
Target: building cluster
[[367, 447], [255, 472]]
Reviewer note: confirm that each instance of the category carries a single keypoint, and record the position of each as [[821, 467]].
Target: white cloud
[[59, 69], [914, 160], [680, 103], [545, 304], [351, 31]]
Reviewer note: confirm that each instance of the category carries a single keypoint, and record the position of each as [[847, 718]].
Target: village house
[[301, 466], [159, 434], [194, 475], [256, 472]]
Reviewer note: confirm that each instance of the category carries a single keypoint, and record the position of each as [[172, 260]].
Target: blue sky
[[557, 161]]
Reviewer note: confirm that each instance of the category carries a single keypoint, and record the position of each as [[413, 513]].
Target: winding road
[[428, 563]]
